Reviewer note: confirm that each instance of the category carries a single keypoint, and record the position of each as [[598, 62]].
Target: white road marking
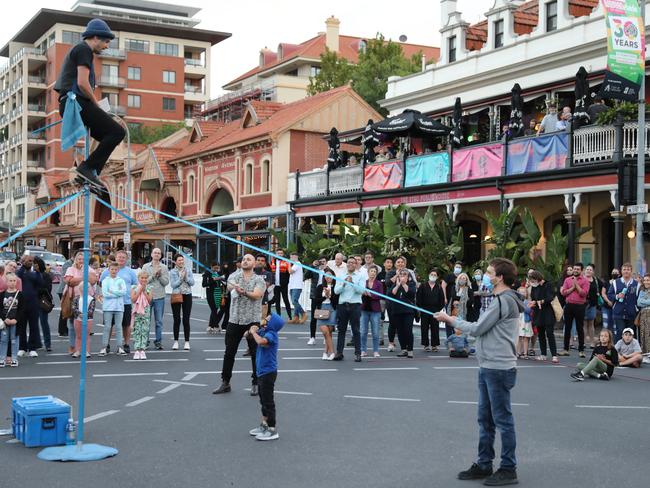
[[280, 349], [386, 369], [37, 377], [168, 388], [476, 367], [180, 383], [382, 398], [615, 406], [76, 363], [195, 373], [166, 360], [304, 357], [476, 403], [188, 377], [115, 375], [139, 401], [287, 392], [221, 359], [100, 415]]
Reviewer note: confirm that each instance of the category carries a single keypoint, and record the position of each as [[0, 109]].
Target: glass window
[[110, 71], [133, 101], [169, 104], [248, 179], [70, 37], [137, 45], [134, 73], [314, 71], [451, 49], [190, 188], [266, 175], [169, 76], [551, 16], [166, 49], [498, 33]]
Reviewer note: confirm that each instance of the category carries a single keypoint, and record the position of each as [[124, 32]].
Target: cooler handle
[[48, 423]]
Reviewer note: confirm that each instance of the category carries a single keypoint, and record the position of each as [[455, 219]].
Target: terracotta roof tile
[[348, 49], [265, 109], [209, 127], [163, 155]]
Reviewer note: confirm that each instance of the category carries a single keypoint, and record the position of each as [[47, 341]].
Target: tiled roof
[[265, 109], [208, 127], [314, 47], [163, 155], [233, 132]]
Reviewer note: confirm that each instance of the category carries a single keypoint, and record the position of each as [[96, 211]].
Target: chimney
[[447, 7], [332, 33]]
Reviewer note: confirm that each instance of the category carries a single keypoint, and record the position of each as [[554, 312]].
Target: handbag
[[322, 314], [176, 298], [66, 304], [637, 319], [45, 302], [557, 309]]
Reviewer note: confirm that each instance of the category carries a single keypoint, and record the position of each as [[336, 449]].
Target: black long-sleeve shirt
[[432, 299], [32, 283], [405, 296]]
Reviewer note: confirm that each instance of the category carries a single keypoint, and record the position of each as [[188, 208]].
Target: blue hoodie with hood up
[[267, 355]]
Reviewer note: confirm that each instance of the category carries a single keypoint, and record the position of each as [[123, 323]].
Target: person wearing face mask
[[450, 279], [608, 322], [430, 297], [541, 296], [461, 299]]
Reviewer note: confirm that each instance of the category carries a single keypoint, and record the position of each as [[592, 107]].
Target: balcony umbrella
[[370, 141], [516, 110], [333, 157], [457, 117], [583, 99], [411, 123]]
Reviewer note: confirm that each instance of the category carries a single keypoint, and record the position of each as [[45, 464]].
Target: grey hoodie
[[496, 331]]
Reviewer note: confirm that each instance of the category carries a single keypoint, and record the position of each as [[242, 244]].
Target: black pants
[[282, 291], [266, 385], [214, 309], [404, 325], [574, 312], [29, 323], [224, 313], [391, 327], [348, 312], [234, 334], [63, 323], [429, 324], [458, 354], [312, 322], [186, 307], [545, 332], [102, 128]]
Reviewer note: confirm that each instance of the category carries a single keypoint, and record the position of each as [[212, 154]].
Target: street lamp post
[[640, 172]]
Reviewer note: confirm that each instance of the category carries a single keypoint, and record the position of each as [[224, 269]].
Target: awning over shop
[[258, 213]]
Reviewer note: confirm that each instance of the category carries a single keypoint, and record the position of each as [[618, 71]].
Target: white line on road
[[100, 415], [168, 388], [386, 369], [303, 357], [476, 403], [166, 360], [195, 373], [383, 398], [113, 375], [180, 383], [188, 377], [221, 359], [76, 363], [37, 377], [615, 406], [281, 349], [302, 393], [139, 401], [476, 367]]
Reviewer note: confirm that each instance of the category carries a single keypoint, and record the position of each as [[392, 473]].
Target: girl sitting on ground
[[603, 359]]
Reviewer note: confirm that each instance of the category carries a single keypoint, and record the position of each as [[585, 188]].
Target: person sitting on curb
[[629, 350], [457, 345]]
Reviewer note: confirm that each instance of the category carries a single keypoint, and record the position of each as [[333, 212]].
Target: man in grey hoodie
[[496, 334]]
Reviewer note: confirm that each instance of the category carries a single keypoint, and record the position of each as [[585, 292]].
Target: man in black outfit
[[280, 270], [78, 76]]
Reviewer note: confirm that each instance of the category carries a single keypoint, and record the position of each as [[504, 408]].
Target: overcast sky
[[258, 23]]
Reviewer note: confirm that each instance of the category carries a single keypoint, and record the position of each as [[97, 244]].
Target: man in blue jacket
[[32, 282], [623, 294]]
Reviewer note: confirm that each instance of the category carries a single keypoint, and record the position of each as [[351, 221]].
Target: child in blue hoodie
[[266, 337]]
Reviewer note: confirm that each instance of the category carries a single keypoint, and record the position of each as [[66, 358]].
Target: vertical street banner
[[625, 50]]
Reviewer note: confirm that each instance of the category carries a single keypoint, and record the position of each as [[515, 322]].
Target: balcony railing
[[19, 220], [17, 112], [114, 81], [118, 110], [35, 107], [193, 89], [194, 62], [39, 80], [2, 197], [113, 53], [35, 164], [20, 191], [590, 145]]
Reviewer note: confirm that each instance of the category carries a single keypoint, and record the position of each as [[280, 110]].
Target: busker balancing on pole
[[496, 335], [78, 76]]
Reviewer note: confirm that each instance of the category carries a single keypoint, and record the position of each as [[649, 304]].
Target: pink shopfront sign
[[477, 162]]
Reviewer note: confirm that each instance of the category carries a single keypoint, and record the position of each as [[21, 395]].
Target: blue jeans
[[7, 336], [373, 318], [72, 336], [157, 312], [109, 317], [295, 301], [494, 411], [45, 327], [620, 325]]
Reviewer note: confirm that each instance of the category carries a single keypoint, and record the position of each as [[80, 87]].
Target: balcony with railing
[[111, 81], [20, 191], [118, 110], [36, 108], [31, 52], [35, 166], [15, 140], [17, 112], [19, 220], [194, 89], [591, 146], [2, 197], [112, 53], [36, 80], [194, 63]]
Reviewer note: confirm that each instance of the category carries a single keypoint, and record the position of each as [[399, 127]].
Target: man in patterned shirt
[[246, 291]]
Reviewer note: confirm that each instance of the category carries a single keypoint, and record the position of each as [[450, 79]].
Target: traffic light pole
[[640, 172]]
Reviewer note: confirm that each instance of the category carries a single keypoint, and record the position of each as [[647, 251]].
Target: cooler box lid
[[40, 405]]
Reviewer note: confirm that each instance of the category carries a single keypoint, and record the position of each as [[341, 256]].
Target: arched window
[[190, 188], [248, 179], [266, 175]]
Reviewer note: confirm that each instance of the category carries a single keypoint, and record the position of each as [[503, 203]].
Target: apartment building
[[156, 71]]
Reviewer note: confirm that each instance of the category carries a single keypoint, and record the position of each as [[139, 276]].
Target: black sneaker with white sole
[[604, 377], [578, 376]]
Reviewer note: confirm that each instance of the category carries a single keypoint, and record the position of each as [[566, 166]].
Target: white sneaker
[[330, 357], [311, 341], [33, 354], [121, 351], [391, 347], [269, 434], [325, 356], [186, 346], [175, 346], [136, 355], [364, 354], [21, 353], [102, 352], [376, 355], [143, 355], [209, 330], [646, 360]]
